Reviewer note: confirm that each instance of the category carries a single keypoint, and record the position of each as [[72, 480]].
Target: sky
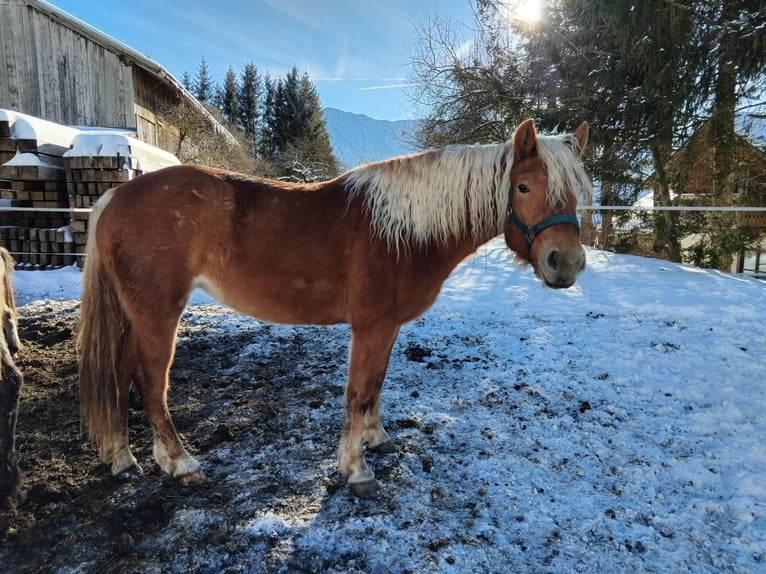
[[355, 51], [615, 426]]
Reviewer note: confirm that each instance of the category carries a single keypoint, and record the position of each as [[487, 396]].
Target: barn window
[[160, 110]]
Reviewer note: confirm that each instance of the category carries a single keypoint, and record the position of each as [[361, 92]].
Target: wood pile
[[50, 176], [87, 179]]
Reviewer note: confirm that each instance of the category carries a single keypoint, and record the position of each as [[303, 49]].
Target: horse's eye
[[523, 188]]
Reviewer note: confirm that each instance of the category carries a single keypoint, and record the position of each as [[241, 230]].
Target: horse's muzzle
[[560, 268]]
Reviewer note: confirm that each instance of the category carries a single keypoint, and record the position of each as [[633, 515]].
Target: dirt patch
[[75, 513]]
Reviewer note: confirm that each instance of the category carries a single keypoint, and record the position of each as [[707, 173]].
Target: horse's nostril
[[553, 260]]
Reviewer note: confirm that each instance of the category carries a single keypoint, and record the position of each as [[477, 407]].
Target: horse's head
[[542, 227]]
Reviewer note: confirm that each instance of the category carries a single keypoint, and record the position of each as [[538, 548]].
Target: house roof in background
[[752, 126]]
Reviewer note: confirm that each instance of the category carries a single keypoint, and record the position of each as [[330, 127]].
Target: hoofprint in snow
[[617, 426]]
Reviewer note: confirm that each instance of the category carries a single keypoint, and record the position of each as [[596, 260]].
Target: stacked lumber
[[7, 143], [28, 182], [32, 176], [50, 175], [37, 248]]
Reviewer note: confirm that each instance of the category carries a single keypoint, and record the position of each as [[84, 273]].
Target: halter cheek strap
[[531, 232]]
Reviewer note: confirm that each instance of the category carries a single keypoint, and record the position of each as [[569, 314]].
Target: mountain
[[358, 139]]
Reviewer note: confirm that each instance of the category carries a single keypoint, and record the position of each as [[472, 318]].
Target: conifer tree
[[294, 134], [228, 103], [203, 84], [249, 102], [186, 81], [267, 145]]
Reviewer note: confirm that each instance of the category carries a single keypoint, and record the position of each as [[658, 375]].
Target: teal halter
[[531, 232]]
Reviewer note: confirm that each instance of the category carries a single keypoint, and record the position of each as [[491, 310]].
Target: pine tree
[[294, 134], [203, 84], [228, 98], [249, 101], [321, 155], [186, 81], [267, 145]]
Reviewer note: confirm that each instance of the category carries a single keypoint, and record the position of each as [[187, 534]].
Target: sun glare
[[528, 10]]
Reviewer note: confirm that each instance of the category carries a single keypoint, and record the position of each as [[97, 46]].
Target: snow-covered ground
[[617, 426]]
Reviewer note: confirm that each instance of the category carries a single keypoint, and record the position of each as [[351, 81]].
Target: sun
[[527, 10]]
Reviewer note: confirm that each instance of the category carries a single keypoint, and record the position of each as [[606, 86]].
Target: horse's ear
[[524, 140], [581, 135]]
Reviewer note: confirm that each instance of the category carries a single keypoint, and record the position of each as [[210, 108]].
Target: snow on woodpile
[[135, 154], [31, 134]]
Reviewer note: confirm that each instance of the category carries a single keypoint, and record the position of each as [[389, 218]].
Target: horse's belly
[[295, 303]]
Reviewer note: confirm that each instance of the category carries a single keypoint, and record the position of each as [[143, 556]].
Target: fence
[[41, 248]]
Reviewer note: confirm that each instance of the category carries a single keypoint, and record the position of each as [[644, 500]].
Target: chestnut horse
[[10, 387], [370, 248]]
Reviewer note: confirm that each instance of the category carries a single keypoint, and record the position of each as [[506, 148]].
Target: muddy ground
[[264, 424], [73, 505]]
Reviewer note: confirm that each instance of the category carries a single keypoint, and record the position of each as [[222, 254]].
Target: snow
[[753, 127], [57, 140], [27, 159], [617, 426], [26, 127], [114, 144]]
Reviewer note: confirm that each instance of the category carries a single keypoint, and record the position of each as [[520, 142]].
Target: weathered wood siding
[[153, 99], [57, 74]]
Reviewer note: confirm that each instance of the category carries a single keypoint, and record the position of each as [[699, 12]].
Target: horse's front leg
[[370, 352]]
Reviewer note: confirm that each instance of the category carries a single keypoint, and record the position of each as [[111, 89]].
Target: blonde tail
[[101, 339]]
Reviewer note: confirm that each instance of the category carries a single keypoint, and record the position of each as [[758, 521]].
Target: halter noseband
[[531, 232]]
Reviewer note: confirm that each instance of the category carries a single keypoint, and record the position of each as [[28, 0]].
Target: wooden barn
[[60, 69]]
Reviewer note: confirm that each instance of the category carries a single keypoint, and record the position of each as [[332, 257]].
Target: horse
[[370, 248], [11, 381]]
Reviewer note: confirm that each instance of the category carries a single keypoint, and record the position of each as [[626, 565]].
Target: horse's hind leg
[[153, 341], [117, 449], [370, 352]]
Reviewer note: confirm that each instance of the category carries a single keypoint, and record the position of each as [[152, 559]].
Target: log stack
[[51, 167], [33, 176]]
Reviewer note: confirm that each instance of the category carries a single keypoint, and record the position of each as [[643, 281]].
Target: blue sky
[[355, 51]]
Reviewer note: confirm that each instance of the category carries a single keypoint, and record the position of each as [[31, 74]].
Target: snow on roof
[[753, 127]]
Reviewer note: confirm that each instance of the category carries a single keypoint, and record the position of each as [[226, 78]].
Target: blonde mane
[[424, 196]]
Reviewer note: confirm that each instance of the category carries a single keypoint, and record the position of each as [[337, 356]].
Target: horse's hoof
[[129, 473], [191, 478], [366, 489], [387, 447]]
